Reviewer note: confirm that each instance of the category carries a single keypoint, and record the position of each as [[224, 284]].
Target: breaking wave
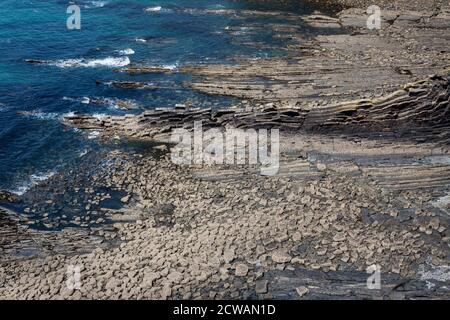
[[35, 179], [126, 52], [93, 63], [95, 4], [153, 9]]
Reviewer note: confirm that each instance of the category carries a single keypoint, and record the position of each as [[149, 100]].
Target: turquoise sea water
[[33, 98]]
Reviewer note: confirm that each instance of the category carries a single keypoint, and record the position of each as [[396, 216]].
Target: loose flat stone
[[228, 255], [301, 291], [280, 256], [241, 270], [261, 286]]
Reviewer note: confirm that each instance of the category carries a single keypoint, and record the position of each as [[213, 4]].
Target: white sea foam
[[99, 116], [158, 9], [140, 40], [42, 176], [92, 63], [35, 179], [85, 100], [153, 9], [21, 189], [217, 6], [95, 4], [118, 104], [68, 114], [126, 52], [93, 134], [111, 103], [170, 67], [38, 114], [83, 153]]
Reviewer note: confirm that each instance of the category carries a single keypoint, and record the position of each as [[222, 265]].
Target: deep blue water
[[33, 98]]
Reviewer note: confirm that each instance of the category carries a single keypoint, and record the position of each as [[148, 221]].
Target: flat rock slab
[[312, 284]]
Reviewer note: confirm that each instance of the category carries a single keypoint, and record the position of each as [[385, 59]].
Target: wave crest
[[111, 62]]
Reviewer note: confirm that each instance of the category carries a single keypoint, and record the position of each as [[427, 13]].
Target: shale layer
[[363, 178]]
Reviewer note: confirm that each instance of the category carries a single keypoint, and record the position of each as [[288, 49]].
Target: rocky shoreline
[[364, 179]]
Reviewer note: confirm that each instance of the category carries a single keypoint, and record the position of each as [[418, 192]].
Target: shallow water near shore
[[114, 34]]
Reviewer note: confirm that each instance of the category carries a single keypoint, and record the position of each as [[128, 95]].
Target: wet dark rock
[[300, 250], [342, 285], [261, 286], [128, 85], [136, 70], [33, 61], [419, 114], [7, 196], [163, 214]]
